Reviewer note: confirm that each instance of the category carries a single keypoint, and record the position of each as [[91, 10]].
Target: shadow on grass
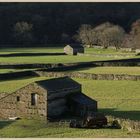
[[73, 67], [31, 54], [132, 115], [5, 123], [17, 75]]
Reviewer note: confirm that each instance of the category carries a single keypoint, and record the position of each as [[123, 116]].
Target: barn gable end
[[57, 91], [73, 49], [18, 103]]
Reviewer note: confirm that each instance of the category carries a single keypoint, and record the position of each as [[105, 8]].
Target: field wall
[[119, 62], [107, 55], [90, 75], [15, 75]]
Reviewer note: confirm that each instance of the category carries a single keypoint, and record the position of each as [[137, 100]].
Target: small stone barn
[[46, 99], [73, 49], [80, 104]]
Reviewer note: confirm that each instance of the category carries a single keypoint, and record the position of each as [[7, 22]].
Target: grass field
[[50, 59], [112, 100], [58, 49], [54, 59], [30, 128], [116, 98], [105, 51], [13, 85], [103, 91], [112, 70]]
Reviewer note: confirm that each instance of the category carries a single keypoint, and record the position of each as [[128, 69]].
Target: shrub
[[125, 124]]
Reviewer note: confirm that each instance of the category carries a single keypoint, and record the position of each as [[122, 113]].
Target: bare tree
[[132, 40], [105, 35], [86, 35], [116, 36], [110, 35]]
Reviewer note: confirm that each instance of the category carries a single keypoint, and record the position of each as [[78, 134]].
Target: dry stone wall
[[90, 75], [107, 55]]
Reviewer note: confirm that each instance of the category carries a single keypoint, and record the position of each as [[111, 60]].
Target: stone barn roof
[[58, 83], [83, 99]]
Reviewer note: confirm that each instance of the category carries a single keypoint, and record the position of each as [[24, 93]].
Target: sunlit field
[[112, 100], [55, 59], [112, 70], [116, 98]]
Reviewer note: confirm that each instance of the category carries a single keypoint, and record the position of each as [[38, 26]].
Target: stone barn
[[46, 99], [81, 105], [73, 49]]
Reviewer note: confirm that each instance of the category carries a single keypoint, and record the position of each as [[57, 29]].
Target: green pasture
[[59, 49], [117, 98], [112, 70], [38, 129], [50, 59], [14, 85], [112, 96], [105, 51], [94, 70], [55, 59]]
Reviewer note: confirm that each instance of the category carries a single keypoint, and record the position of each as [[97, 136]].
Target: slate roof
[[83, 99], [58, 83]]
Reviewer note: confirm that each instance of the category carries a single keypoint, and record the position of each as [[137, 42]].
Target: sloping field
[[117, 98], [55, 59], [112, 70], [112, 96], [58, 49], [50, 59]]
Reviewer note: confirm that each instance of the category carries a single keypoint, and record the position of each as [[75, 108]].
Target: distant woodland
[[58, 23]]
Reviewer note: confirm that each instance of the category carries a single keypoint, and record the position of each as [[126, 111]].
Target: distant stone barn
[[46, 99], [73, 49]]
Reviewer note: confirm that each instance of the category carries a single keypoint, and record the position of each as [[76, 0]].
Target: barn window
[[18, 98], [33, 99]]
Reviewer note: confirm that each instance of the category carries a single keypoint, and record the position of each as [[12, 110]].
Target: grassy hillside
[[32, 128], [113, 97], [55, 59], [116, 98], [112, 70], [58, 49], [50, 59]]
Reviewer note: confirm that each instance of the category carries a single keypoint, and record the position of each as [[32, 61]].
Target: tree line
[[55, 23]]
